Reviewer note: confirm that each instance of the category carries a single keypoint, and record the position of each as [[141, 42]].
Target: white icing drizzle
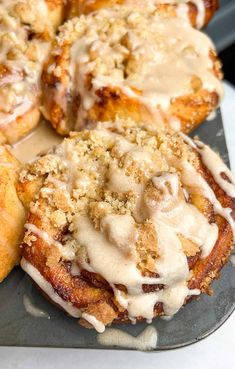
[[145, 341], [106, 259], [184, 219], [153, 72], [200, 4], [132, 320], [33, 310], [120, 182], [41, 234], [167, 318], [114, 265], [99, 326], [182, 11], [216, 166], [194, 292], [120, 230], [188, 140], [48, 289], [193, 179], [211, 116], [67, 253], [206, 190]]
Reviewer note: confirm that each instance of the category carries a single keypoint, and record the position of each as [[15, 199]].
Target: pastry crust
[[199, 14], [12, 213], [113, 78], [53, 238]]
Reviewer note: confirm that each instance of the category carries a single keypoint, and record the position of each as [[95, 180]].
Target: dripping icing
[[67, 253], [146, 340], [34, 310], [48, 289]]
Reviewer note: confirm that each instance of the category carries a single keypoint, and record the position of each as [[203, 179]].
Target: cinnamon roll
[[21, 62], [27, 28], [197, 12], [124, 62], [126, 224], [12, 213]]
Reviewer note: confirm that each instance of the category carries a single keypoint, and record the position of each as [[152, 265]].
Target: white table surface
[[216, 351]]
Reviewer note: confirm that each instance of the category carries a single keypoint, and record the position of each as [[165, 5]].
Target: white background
[[217, 351]]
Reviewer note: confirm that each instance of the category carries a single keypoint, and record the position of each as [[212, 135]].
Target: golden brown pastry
[[125, 62], [12, 213], [198, 12], [126, 224]]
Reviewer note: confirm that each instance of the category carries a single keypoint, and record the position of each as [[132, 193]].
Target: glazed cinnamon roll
[[126, 224], [20, 71], [122, 62], [26, 30], [12, 213], [197, 12]]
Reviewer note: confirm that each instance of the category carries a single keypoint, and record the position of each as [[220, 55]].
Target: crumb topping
[[145, 54]]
